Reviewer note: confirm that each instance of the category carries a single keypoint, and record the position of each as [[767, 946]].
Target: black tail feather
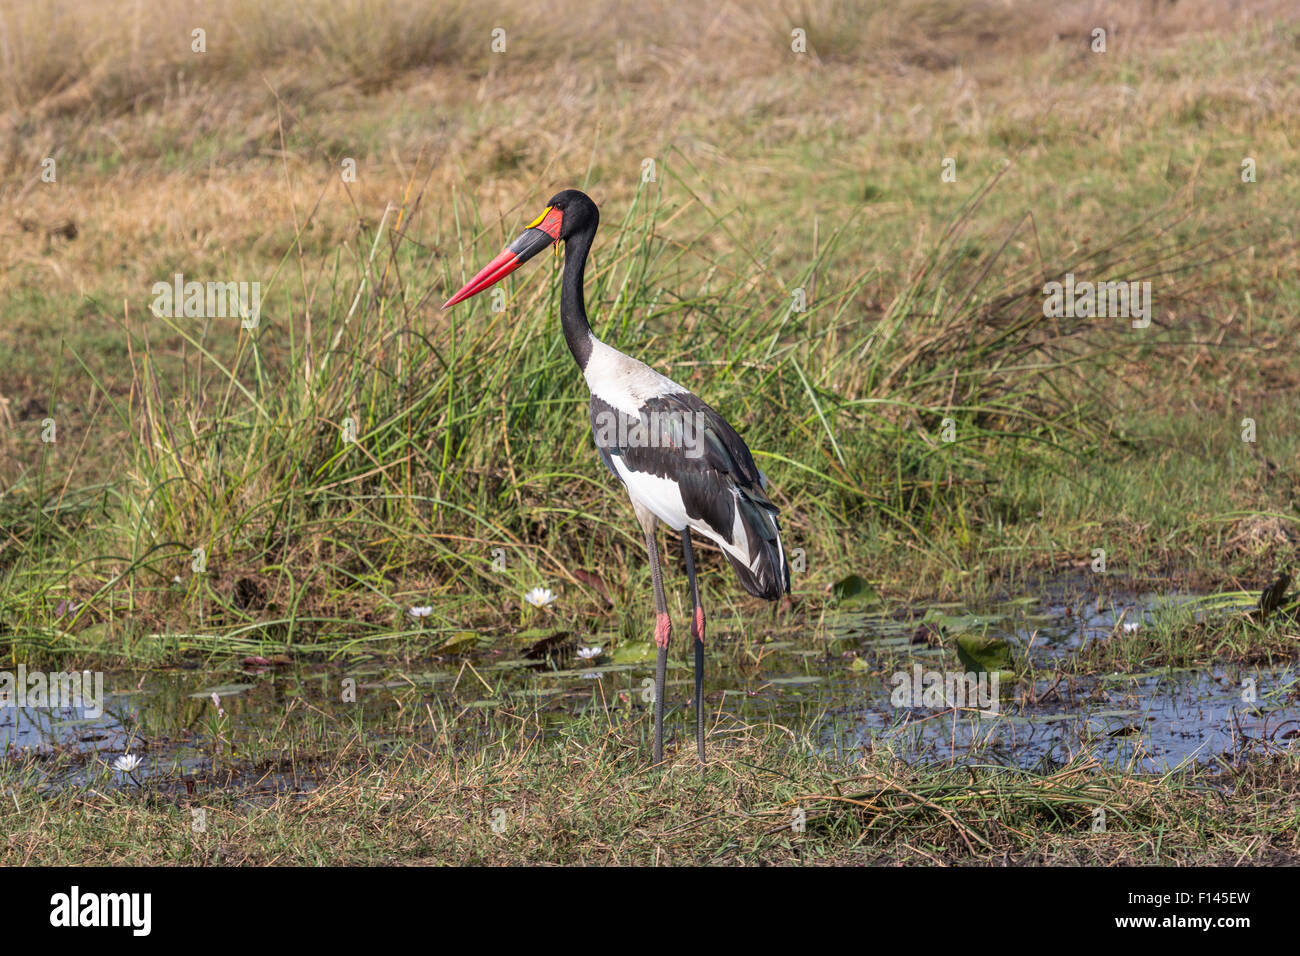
[[770, 576]]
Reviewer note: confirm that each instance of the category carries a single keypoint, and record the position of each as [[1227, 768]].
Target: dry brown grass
[[69, 55], [177, 158], [587, 800]]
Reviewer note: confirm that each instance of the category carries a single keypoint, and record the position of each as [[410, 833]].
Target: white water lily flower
[[539, 597], [126, 763], [1131, 627], [424, 611], [588, 653]]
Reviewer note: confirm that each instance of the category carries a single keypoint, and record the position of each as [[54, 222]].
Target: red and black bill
[[542, 232]]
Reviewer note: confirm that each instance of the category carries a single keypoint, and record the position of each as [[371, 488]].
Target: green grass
[[472, 436], [471, 433], [583, 796]]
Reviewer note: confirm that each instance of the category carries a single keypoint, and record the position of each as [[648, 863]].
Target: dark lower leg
[[697, 632], [663, 630]]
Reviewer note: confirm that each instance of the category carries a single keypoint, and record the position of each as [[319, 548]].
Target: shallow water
[[835, 685], [1152, 721]]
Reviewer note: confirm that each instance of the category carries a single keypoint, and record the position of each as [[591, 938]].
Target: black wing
[[679, 437]]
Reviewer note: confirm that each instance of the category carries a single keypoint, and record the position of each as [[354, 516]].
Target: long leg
[[697, 632], [663, 629]]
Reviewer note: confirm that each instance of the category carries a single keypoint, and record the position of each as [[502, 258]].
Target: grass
[[583, 797], [1203, 633], [237, 463], [924, 423]]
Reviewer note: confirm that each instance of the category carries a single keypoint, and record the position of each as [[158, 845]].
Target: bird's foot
[[663, 630], [697, 625]]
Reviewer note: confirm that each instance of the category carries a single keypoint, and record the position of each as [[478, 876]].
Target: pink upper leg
[[697, 626], [663, 630]]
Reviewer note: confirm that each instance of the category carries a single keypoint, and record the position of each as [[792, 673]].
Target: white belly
[[660, 496], [663, 498]]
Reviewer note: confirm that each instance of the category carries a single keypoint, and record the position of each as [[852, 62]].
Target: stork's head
[[569, 213]]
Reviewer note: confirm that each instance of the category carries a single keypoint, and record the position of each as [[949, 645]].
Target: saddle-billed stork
[[681, 463]]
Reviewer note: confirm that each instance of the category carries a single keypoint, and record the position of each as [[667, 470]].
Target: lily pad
[[633, 653], [459, 642], [984, 654], [854, 590], [225, 690], [429, 677], [958, 623], [801, 679]]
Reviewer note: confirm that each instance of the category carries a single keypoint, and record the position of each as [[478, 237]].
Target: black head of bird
[[570, 214]]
